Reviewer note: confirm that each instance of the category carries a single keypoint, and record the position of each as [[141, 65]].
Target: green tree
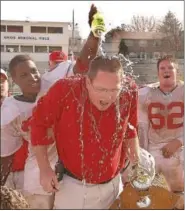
[[171, 27]]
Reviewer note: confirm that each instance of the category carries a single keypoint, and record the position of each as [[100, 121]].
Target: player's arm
[[43, 119], [131, 138], [89, 50], [143, 121]]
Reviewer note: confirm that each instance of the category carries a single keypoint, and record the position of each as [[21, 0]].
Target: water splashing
[[126, 62]]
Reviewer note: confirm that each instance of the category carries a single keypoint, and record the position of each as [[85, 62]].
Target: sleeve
[[45, 114], [143, 118], [131, 132], [10, 140]]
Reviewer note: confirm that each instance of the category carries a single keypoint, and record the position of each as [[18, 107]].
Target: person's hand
[[169, 149], [48, 180], [92, 12], [96, 23]]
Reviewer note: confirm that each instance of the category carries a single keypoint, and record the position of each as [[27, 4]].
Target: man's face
[[167, 73], [104, 89], [27, 77], [4, 86]]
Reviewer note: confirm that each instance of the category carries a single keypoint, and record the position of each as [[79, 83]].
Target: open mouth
[[34, 84], [166, 76], [103, 103]]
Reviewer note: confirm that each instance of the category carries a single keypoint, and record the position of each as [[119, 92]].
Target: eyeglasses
[[103, 90]]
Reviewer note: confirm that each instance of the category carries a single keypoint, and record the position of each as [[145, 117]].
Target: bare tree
[[172, 29], [142, 24]]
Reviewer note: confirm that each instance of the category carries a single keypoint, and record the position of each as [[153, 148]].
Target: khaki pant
[[73, 194], [40, 202]]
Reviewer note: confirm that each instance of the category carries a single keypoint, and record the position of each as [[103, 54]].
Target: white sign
[[25, 38], [8, 38]]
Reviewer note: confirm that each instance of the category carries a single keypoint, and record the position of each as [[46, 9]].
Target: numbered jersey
[[163, 113]]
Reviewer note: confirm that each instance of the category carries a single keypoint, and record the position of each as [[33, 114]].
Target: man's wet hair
[[12, 199], [17, 60], [106, 63], [168, 58]]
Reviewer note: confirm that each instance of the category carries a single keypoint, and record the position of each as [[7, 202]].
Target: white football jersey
[[161, 115], [13, 113], [63, 70]]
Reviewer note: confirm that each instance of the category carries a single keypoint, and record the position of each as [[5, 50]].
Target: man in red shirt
[[16, 110], [94, 119]]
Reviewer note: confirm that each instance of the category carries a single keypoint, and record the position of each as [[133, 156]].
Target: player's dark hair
[[17, 60]]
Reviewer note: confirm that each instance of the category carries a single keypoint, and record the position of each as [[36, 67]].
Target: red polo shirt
[[81, 67], [83, 152]]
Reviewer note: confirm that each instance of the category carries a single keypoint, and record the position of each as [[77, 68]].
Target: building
[[34, 38], [144, 48], [141, 45]]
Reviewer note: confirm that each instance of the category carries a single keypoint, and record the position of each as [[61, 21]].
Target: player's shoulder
[[143, 91], [148, 88], [179, 90], [58, 72], [180, 84], [9, 110], [74, 81], [69, 83], [9, 102]]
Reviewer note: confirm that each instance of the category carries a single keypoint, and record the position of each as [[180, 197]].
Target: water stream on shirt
[[128, 71]]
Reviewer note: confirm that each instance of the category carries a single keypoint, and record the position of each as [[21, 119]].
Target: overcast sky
[[115, 12]]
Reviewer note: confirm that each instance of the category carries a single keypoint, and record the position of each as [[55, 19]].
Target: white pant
[[15, 180], [172, 168], [73, 194]]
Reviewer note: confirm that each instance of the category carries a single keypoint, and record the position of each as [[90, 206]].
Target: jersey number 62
[[166, 120]]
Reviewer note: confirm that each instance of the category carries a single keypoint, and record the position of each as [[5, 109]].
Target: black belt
[[67, 172], [61, 170]]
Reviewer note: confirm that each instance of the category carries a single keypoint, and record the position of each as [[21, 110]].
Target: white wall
[[8, 38], [33, 39]]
